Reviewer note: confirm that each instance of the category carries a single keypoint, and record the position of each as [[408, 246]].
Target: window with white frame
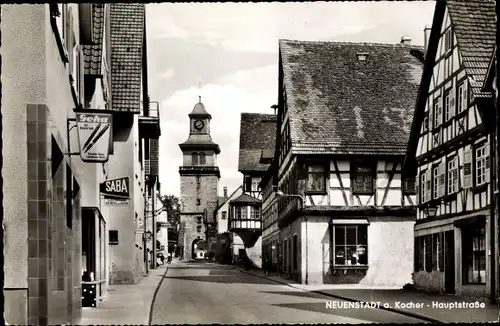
[[254, 213], [351, 245], [438, 112], [255, 184], [423, 185], [481, 165], [453, 175], [241, 212], [462, 97], [447, 107]]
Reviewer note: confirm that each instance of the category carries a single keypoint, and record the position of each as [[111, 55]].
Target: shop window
[[113, 237], [285, 255], [474, 255], [420, 246], [351, 245], [316, 179], [295, 252], [428, 253]]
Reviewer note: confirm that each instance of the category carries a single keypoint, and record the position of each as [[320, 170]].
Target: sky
[[231, 50]]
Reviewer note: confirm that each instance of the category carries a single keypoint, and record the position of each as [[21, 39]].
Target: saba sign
[[116, 188]]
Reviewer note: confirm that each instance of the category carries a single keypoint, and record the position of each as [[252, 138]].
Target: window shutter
[[464, 97], [428, 185], [452, 103], [440, 113], [442, 180], [417, 189], [487, 162], [467, 170]]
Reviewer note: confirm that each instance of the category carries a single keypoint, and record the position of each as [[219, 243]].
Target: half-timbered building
[[344, 116], [257, 140], [449, 152]]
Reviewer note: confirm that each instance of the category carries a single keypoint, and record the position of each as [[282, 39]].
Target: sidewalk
[[417, 304], [127, 304]]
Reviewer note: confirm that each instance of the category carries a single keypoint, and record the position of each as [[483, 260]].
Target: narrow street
[[197, 293]]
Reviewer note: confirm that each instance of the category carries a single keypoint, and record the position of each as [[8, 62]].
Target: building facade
[[342, 215], [199, 187], [46, 78], [450, 153], [228, 243], [257, 132]]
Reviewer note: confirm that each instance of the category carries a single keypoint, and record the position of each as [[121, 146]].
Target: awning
[[475, 220], [363, 221]]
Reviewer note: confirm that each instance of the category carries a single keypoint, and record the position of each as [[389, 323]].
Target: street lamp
[[431, 210], [280, 193]]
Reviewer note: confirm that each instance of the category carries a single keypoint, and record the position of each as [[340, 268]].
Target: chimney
[[225, 192], [427, 34], [406, 40]]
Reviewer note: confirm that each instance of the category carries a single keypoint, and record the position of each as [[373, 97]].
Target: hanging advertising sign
[[94, 133], [116, 188]]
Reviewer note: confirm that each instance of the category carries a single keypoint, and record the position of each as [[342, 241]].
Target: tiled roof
[[474, 25], [92, 54], [245, 199], [127, 31], [257, 133], [338, 104]]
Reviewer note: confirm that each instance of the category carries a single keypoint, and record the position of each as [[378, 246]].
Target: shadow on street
[[226, 278], [369, 315], [298, 293]]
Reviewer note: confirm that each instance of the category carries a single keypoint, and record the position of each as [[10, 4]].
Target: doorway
[[198, 249], [449, 263]]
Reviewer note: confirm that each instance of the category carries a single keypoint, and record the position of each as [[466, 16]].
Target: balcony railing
[[247, 224], [152, 112], [149, 121]]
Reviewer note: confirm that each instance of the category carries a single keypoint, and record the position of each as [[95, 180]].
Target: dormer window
[[362, 56]]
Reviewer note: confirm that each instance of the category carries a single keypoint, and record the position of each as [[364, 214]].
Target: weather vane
[[199, 91]]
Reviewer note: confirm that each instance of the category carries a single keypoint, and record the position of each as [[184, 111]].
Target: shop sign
[[116, 188], [94, 133], [115, 201]]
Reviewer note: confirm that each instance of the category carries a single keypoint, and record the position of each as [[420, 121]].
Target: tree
[[172, 206]]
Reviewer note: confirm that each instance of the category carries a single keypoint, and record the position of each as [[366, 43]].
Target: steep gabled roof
[[257, 140], [127, 29], [245, 199], [339, 104], [472, 24]]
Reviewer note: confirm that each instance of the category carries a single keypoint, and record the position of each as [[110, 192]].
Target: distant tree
[[172, 206]]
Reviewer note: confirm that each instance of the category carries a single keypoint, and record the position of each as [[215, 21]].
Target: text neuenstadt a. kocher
[[352, 305]]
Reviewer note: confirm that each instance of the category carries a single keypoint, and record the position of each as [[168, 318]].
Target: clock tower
[[200, 176]]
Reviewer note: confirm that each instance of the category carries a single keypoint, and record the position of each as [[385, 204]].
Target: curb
[[401, 312], [150, 319]]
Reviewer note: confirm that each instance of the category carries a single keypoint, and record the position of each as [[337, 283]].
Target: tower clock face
[[198, 124]]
